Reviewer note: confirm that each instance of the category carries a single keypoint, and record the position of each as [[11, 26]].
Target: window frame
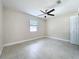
[[37, 26]]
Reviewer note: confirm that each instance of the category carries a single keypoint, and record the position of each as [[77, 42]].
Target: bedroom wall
[[1, 35], [58, 27], [16, 26]]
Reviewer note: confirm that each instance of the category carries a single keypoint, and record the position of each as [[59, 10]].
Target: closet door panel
[[74, 30]]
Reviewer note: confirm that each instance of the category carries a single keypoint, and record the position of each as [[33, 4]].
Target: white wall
[[0, 27], [16, 26], [58, 27]]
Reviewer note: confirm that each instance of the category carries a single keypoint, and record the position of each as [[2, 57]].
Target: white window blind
[[33, 25]]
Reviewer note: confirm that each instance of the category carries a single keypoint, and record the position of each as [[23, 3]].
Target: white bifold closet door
[[1, 28], [74, 30]]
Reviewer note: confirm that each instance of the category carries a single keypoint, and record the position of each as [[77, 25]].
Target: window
[[33, 25]]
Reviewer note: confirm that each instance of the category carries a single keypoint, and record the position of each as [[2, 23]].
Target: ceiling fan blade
[[42, 11], [50, 11], [51, 14]]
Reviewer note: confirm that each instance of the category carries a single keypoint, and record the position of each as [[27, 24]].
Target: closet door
[[1, 36], [74, 30]]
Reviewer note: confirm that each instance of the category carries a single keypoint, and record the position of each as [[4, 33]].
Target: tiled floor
[[43, 48]]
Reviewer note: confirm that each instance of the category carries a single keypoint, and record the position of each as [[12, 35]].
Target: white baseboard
[[13, 43], [59, 39]]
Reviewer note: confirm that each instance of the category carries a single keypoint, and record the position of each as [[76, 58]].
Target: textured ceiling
[[33, 7]]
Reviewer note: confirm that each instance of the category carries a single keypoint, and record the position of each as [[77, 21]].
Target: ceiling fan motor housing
[[59, 1]]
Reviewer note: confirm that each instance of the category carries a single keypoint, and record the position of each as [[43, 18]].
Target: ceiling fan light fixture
[[45, 16]]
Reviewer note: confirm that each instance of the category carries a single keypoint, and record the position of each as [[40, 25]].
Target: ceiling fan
[[49, 12]]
